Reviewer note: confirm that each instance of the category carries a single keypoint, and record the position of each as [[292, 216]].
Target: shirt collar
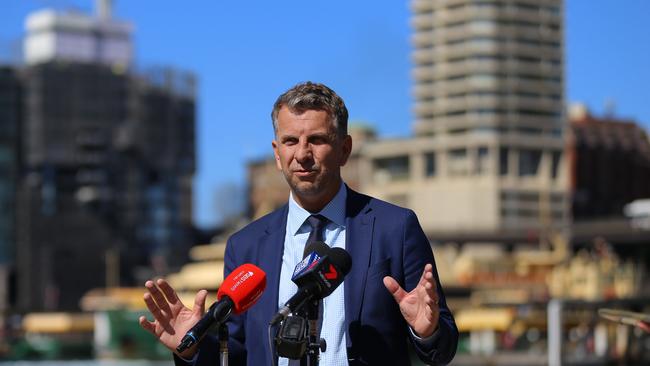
[[333, 211]]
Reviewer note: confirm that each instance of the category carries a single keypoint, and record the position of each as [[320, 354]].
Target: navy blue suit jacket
[[382, 240]]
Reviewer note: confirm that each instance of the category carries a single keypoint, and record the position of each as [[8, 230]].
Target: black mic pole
[[223, 343], [315, 344]]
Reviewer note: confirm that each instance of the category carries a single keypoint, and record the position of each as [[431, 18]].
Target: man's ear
[[278, 164], [347, 149]]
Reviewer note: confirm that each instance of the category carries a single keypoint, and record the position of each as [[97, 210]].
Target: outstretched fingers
[[394, 288], [159, 308], [428, 286], [199, 303], [147, 325], [427, 275], [419, 307], [169, 292], [155, 306]]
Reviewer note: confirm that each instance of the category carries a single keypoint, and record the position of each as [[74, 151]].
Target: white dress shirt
[[333, 329]]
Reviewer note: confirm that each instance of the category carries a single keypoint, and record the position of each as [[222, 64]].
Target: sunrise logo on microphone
[[240, 278], [244, 285]]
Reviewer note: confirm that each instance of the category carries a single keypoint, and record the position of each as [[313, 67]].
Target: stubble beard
[[311, 189], [304, 188]]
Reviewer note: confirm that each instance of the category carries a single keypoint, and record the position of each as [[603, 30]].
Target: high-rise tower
[[488, 66], [101, 160], [487, 159]]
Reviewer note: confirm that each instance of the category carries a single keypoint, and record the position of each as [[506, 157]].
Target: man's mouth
[[304, 173]]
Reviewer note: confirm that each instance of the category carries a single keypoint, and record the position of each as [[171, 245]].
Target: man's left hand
[[420, 306]]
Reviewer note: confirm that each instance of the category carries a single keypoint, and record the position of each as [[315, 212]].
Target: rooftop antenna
[[104, 9]]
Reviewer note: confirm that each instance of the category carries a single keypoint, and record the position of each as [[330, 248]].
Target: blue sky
[[246, 53]]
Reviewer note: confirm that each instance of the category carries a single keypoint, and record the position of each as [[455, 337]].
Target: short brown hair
[[313, 96]]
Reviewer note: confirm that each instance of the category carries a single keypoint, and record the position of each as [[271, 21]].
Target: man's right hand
[[172, 319]]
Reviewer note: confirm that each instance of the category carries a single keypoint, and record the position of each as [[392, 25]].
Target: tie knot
[[317, 223]]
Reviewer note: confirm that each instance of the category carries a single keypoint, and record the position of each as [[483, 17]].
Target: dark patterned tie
[[317, 223]]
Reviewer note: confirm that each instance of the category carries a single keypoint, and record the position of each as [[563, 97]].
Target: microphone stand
[[315, 345], [223, 343]]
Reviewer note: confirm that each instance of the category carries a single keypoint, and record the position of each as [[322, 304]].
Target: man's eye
[[318, 140], [290, 141]]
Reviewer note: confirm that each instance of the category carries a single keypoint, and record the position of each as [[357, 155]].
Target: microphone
[[317, 276], [238, 292], [317, 247]]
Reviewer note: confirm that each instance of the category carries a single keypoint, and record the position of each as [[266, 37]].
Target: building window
[[529, 162], [503, 161], [555, 163], [483, 161], [529, 130], [458, 162], [512, 198], [516, 213], [393, 168], [430, 164]]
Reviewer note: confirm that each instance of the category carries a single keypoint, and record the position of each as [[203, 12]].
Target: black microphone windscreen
[[318, 246], [341, 259]]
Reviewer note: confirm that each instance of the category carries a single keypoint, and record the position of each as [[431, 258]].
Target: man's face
[[310, 156]]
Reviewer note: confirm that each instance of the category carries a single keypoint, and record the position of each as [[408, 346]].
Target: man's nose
[[304, 152]]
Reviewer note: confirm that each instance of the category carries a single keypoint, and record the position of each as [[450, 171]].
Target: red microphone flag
[[244, 286]]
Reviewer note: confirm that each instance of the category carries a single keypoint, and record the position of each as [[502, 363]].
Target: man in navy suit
[[392, 292]]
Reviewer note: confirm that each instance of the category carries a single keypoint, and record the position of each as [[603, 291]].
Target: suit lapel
[[269, 258], [358, 242]]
